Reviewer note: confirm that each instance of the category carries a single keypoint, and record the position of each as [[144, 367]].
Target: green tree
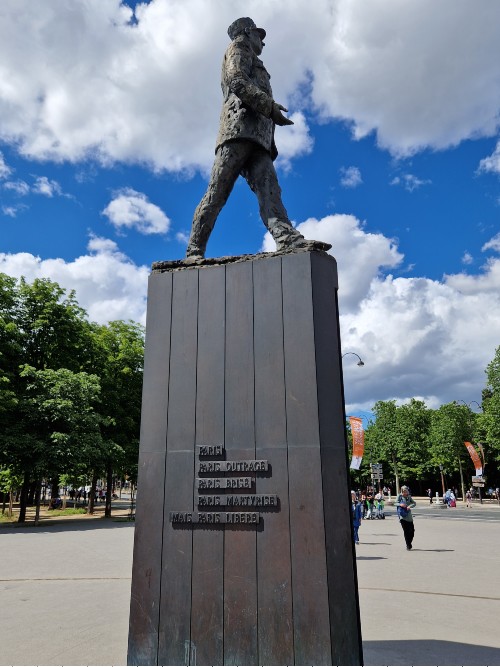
[[413, 425], [490, 421], [43, 328], [10, 349], [381, 437], [61, 424], [50, 359], [487, 430], [451, 427], [118, 360], [8, 484], [53, 327], [399, 436]]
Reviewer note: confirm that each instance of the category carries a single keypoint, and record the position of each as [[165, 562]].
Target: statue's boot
[[307, 244], [288, 238]]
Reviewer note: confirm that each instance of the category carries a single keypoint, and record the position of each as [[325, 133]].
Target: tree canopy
[[70, 390]]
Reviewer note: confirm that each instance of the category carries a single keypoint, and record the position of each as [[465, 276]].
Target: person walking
[[404, 504], [356, 516], [370, 500], [363, 506]]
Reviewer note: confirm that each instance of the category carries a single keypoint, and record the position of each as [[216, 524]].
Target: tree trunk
[[11, 503], [461, 479], [54, 487], [396, 474], [38, 493], [93, 487], [132, 498], [4, 502], [109, 489], [24, 497], [31, 493]]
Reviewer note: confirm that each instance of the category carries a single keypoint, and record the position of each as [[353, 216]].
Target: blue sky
[[108, 125]]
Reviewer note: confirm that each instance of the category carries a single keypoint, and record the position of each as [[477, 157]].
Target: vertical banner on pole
[[475, 459], [358, 441], [482, 451]]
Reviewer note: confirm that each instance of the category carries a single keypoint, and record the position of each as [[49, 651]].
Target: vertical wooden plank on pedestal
[[308, 554], [146, 574], [240, 577], [341, 557], [207, 614], [275, 612], [175, 606]]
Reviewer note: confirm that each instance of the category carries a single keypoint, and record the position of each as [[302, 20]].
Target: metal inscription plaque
[[235, 501], [214, 517]]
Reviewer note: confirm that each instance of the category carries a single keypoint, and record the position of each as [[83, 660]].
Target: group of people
[[450, 498], [404, 504], [82, 493]]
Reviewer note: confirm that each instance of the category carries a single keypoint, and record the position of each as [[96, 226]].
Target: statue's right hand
[[278, 117]]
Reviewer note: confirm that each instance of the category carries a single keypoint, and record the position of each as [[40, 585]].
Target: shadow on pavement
[[61, 526], [372, 543], [371, 558], [428, 652], [438, 551]]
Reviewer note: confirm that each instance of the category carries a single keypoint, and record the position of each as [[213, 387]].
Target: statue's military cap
[[240, 25]]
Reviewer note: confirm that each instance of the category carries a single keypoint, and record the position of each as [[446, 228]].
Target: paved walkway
[[65, 591], [438, 604]]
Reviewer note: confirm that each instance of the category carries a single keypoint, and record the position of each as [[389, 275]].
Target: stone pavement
[[65, 590], [439, 603]]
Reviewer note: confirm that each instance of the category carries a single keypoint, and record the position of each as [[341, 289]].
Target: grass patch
[[67, 512], [7, 519]]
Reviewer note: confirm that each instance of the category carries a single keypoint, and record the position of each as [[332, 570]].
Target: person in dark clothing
[[356, 515], [404, 503]]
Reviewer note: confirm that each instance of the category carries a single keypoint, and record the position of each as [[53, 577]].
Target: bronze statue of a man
[[245, 144]]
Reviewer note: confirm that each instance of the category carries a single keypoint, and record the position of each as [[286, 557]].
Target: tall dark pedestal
[[244, 355]]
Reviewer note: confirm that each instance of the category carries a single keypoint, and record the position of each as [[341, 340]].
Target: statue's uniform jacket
[[248, 98]]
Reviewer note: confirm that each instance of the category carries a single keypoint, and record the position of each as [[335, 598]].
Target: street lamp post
[[360, 362], [442, 478]]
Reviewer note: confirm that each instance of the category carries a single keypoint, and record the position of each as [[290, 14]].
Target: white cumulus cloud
[[417, 337], [107, 283], [47, 187], [492, 244], [12, 211], [5, 170], [20, 187], [410, 182], [353, 248], [350, 177], [132, 210], [492, 162], [293, 140]]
